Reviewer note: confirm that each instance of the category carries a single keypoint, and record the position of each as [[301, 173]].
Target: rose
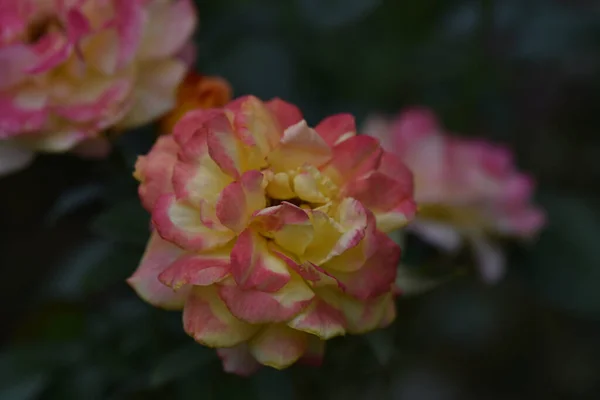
[[270, 234]]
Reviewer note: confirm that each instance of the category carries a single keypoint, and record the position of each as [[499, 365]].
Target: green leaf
[[114, 268], [411, 282], [381, 343], [335, 13], [180, 363], [25, 388], [273, 385], [233, 387], [71, 200], [125, 222], [67, 281], [564, 265]]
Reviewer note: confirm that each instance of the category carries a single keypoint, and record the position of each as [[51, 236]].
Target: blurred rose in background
[[467, 189], [70, 70]]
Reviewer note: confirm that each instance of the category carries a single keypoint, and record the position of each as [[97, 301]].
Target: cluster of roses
[[271, 235]]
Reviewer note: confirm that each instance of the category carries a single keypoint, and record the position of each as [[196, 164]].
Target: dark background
[[522, 73]]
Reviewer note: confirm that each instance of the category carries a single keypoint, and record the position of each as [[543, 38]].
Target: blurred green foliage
[[523, 73]]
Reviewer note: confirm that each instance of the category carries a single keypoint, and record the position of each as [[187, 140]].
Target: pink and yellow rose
[[269, 234], [467, 189], [70, 69]]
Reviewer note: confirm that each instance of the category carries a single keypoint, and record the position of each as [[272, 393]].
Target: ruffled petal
[[320, 319], [180, 223], [240, 200], [199, 181], [209, 322], [158, 256], [258, 307], [288, 225], [287, 114], [365, 316], [376, 275], [51, 50], [299, 145], [201, 269], [256, 125], [154, 92], [327, 233], [238, 360], [95, 101], [254, 266], [27, 112], [155, 171], [128, 22], [224, 146], [278, 346], [337, 128], [172, 25], [353, 157]]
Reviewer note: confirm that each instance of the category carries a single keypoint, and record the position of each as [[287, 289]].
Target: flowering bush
[[71, 69], [270, 234], [466, 189]]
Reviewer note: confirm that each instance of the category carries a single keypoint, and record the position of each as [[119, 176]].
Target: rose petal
[[26, 112], [155, 171], [51, 50], [299, 145], [172, 25], [353, 157], [238, 360], [287, 114], [288, 225], [197, 269], [209, 322], [327, 233], [364, 316], [337, 128], [255, 124], [240, 200], [320, 319], [199, 180], [258, 307], [224, 147], [154, 91], [376, 276], [278, 346], [253, 266], [158, 256], [180, 223], [129, 20]]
